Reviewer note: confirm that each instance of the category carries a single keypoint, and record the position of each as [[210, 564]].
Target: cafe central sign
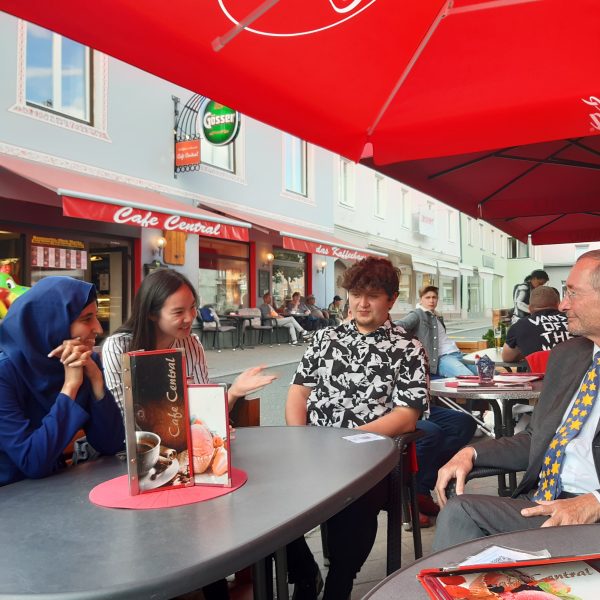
[[80, 208]]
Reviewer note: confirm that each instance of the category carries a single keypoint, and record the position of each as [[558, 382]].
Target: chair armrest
[[272, 321], [476, 473]]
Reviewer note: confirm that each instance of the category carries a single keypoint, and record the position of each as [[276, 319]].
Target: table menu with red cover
[[566, 578]]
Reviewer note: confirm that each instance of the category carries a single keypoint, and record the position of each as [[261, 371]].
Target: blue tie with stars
[[549, 487]]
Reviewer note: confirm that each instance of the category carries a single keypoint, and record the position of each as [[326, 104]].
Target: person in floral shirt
[[366, 374]]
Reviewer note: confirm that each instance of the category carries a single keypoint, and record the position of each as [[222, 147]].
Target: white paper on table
[[361, 438], [500, 554]]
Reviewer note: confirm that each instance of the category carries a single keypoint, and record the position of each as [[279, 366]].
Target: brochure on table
[[572, 578], [160, 440]]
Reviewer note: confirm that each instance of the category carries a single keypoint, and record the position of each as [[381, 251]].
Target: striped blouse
[[117, 344]]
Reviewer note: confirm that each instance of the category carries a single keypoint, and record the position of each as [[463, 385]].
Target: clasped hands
[[579, 510], [76, 359]]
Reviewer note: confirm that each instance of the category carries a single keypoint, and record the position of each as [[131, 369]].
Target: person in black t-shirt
[[545, 326]]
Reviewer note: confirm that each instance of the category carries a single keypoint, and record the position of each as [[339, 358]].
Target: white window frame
[[98, 95], [470, 231], [295, 156], [405, 208], [380, 197], [481, 236], [215, 155], [502, 246], [493, 235], [346, 183]]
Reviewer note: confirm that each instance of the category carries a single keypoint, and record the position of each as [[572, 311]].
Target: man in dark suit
[[559, 451]]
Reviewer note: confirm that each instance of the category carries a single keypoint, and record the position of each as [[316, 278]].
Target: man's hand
[[570, 511], [457, 468]]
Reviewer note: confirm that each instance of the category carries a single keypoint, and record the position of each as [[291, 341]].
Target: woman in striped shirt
[[164, 310]]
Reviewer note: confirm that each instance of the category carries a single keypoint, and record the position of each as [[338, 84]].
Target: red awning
[[97, 199], [303, 239]]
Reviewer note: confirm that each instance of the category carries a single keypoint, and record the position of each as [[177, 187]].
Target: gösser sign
[[220, 124]]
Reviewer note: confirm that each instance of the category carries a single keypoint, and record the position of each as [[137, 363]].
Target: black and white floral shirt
[[358, 378]]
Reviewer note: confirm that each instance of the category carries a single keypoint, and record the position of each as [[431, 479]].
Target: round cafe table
[[568, 540], [58, 545]]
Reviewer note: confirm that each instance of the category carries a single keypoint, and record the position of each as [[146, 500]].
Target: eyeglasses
[[572, 295]]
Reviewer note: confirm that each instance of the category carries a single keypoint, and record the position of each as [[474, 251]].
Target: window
[[58, 74], [295, 165], [517, 249], [447, 293], [493, 234], [451, 226], [380, 197], [223, 277], [405, 208], [222, 157], [289, 273], [502, 246], [581, 249], [481, 236], [346, 188], [470, 231]]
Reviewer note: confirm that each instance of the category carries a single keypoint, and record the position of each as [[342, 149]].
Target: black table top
[[56, 544], [567, 540]]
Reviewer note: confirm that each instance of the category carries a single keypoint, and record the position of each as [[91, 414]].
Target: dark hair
[[336, 298], [148, 302], [539, 274], [429, 288], [372, 274]]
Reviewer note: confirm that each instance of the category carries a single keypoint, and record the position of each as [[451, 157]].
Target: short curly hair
[[372, 273]]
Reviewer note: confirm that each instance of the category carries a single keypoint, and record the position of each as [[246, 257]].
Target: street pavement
[[282, 360]]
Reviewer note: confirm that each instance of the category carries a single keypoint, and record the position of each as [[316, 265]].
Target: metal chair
[[255, 322], [218, 329], [477, 473]]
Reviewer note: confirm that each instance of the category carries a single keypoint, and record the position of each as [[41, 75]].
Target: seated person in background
[[298, 309], [318, 316], [268, 312], [559, 449], [545, 326], [209, 317], [51, 383], [447, 430], [367, 374], [521, 293], [335, 310], [445, 359]]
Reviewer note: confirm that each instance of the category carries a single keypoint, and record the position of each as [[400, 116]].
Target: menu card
[[209, 422], [156, 420]]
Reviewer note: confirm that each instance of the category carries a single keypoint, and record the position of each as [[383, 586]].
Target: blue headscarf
[[36, 323]]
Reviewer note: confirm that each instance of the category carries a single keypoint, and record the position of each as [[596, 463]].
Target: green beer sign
[[220, 124]]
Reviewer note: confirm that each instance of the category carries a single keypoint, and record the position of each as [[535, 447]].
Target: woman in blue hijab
[[51, 384]]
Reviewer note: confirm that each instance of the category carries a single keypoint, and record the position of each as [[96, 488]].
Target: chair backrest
[[245, 413], [537, 361]]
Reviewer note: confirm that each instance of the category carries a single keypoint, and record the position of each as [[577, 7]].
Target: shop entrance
[[109, 275]]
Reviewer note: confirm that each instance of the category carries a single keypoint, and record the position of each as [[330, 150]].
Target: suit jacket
[[568, 363]]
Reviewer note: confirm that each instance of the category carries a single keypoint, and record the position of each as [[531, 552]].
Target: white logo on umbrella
[[338, 7], [594, 117]]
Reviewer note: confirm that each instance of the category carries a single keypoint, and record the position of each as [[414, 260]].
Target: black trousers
[[350, 537]]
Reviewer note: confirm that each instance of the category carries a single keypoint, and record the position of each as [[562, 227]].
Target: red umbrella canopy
[[414, 78], [549, 190]]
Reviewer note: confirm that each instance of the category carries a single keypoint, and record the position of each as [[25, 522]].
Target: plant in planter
[[489, 337]]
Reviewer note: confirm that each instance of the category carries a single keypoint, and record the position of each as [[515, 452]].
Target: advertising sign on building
[[187, 154], [220, 124]]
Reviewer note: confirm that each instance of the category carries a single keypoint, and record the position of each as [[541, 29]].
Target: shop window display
[[223, 277], [289, 275]]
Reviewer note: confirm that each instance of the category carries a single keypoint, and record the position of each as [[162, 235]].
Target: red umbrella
[[414, 78], [549, 190]]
